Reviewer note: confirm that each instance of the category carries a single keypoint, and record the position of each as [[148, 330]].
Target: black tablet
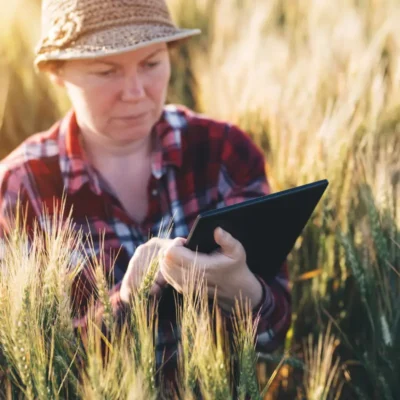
[[267, 226]]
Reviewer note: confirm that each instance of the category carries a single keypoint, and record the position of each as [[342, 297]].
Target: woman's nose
[[133, 88]]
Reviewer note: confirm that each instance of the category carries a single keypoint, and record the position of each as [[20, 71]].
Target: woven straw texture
[[73, 29]]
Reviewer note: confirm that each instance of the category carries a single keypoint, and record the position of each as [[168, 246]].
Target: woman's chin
[[126, 136]]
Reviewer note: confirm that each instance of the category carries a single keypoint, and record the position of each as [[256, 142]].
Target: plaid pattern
[[198, 164]]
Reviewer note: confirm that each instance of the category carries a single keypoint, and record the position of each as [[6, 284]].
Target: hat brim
[[116, 40]]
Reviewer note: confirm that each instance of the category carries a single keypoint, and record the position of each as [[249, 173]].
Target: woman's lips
[[133, 117]]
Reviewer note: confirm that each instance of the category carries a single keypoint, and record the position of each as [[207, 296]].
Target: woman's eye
[[152, 64], [105, 73]]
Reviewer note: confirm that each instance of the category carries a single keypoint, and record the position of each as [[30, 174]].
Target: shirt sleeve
[[15, 198], [8, 201], [242, 176]]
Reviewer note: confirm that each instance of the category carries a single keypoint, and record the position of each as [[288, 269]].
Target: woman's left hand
[[225, 269]]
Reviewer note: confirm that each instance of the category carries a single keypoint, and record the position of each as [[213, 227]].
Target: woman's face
[[118, 97]]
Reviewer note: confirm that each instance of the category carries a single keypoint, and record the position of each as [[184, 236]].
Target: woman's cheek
[[157, 84], [101, 102]]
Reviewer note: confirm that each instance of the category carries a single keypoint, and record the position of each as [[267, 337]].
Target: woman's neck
[[99, 149]]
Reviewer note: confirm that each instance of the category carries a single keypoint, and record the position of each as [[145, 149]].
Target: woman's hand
[[138, 265], [225, 270]]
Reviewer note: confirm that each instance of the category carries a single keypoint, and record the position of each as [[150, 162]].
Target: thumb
[[229, 245], [158, 285]]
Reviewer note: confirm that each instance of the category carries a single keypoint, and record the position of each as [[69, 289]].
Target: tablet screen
[[267, 226]]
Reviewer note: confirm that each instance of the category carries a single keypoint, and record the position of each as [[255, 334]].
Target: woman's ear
[[54, 70], [56, 78]]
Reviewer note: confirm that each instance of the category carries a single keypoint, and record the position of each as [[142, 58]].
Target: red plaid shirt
[[198, 164]]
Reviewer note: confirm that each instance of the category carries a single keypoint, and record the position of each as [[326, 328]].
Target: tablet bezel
[[205, 219]]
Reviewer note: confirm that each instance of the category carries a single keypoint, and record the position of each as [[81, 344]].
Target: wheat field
[[316, 84]]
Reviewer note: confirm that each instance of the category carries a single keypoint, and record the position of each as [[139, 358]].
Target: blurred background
[[316, 84]]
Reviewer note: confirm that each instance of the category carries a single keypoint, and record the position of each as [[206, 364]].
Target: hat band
[[69, 29]]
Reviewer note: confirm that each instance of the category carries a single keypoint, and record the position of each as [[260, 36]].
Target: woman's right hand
[[138, 266]]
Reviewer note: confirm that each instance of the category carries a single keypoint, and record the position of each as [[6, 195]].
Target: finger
[[171, 275], [157, 241], [151, 249], [179, 241], [156, 246], [156, 289], [229, 245], [176, 253], [160, 279], [159, 284]]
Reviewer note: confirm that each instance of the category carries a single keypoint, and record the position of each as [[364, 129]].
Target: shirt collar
[[77, 171], [168, 141]]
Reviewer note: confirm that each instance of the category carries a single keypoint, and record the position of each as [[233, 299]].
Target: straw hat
[[77, 29]]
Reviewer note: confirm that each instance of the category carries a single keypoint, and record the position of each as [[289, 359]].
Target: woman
[[127, 163]]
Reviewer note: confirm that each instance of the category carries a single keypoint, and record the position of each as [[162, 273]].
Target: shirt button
[[154, 192]]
